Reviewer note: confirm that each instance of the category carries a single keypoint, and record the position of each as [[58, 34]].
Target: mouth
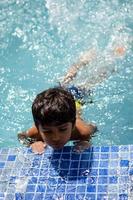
[[57, 146]]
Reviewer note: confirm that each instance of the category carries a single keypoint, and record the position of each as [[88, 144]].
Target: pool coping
[[100, 172]]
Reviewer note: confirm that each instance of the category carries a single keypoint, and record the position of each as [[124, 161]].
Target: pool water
[[41, 39]]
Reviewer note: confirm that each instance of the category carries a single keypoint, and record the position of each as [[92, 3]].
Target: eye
[[47, 131], [63, 129]]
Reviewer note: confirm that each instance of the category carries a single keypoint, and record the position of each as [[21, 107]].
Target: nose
[[56, 137]]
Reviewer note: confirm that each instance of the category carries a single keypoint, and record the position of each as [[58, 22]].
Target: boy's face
[[56, 136]]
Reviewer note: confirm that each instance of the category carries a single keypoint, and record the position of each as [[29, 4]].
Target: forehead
[[55, 126]]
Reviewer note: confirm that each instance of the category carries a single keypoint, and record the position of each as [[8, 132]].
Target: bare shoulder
[[83, 130]]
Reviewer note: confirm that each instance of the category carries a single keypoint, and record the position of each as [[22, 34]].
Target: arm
[[118, 52], [85, 130], [31, 133], [82, 134], [32, 138], [85, 58]]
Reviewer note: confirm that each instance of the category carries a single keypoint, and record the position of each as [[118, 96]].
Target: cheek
[[44, 137], [67, 136]]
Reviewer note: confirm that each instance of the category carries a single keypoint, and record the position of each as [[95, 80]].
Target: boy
[[55, 117], [56, 122]]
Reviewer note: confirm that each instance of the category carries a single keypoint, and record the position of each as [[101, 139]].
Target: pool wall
[[99, 173]]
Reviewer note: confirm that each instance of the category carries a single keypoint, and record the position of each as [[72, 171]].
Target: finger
[[45, 145], [38, 152]]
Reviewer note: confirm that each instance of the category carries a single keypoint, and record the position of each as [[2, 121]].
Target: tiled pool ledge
[[99, 173]]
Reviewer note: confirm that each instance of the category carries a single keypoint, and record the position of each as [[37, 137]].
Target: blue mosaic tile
[[91, 196], [114, 164], [96, 149], [80, 189], [124, 148], [131, 147], [123, 197], [1, 195], [124, 163], [30, 188], [62, 188], [9, 196], [94, 172], [102, 180], [124, 156], [70, 189], [2, 164], [124, 171], [91, 188], [131, 156], [102, 188], [101, 196], [104, 149], [103, 172], [74, 164], [104, 164], [12, 179], [75, 156], [40, 196], [124, 179], [114, 148], [96, 156], [4, 151], [3, 157], [41, 188], [104, 156], [83, 164], [11, 157], [70, 196], [114, 155], [19, 196], [29, 196], [113, 180], [64, 174], [131, 172], [113, 196]]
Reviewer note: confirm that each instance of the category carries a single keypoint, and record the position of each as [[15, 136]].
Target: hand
[[22, 135], [80, 146], [24, 139], [38, 147], [87, 56]]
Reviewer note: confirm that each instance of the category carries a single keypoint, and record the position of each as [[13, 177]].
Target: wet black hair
[[54, 106]]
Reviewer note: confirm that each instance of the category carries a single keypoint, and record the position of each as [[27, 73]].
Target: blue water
[[41, 39]]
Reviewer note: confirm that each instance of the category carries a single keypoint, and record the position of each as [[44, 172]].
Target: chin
[[57, 146]]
